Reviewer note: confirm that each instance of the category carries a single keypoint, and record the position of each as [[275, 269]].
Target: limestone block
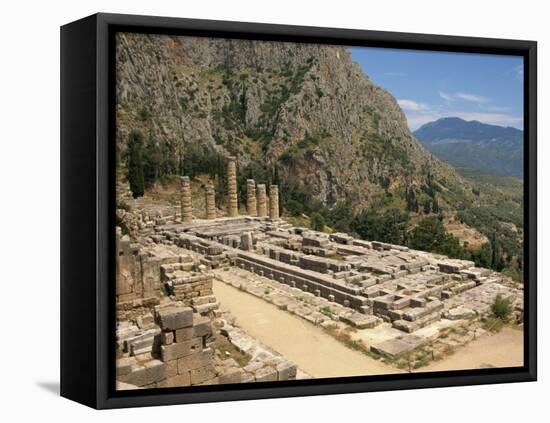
[[173, 318], [180, 349], [183, 379], [286, 371], [266, 374], [171, 368], [233, 375], [184, 334], [196, 360], [136, 377], [202, 326], [460, 313], [206, 308], [202, 374], [145, 374], [167, 338], [155, 371], [123, 366], [146, 321], [360, 321], [253, 366], [121, 386]]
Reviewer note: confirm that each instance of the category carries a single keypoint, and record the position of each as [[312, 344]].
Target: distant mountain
[[475, 145]]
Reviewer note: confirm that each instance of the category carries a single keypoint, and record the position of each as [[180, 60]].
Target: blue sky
[[432, 85]]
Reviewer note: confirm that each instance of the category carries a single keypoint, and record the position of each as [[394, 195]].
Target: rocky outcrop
[[307, 107]]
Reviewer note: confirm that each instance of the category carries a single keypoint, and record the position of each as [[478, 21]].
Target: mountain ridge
[[476, 145]]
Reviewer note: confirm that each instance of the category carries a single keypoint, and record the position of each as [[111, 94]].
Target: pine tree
[[317, 222]]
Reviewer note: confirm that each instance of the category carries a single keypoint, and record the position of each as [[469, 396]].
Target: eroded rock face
[[307, 107]]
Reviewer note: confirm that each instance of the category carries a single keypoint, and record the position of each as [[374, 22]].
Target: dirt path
[[314, 351], [504, 349]]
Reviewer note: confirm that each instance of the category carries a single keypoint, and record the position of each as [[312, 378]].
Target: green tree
[[340, 216], [294, 208], [387, 226], [483, 256], [430, 235], [135, 164], [317, 222]]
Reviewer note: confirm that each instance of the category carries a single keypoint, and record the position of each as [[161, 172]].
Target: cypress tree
[[135, 164]]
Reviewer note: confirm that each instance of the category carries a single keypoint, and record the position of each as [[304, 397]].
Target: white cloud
[[411, 105], [462, 96], [498, 109], [420, 113], [445, 96], [472, 97], [416, 120]]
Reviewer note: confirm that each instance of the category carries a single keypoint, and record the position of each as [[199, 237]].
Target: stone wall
[[137, 272]]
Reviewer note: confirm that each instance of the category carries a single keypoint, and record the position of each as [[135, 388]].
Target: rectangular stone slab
[[173, 318], [180, 349]]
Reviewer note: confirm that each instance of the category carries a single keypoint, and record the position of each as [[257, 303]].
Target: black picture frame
[[87, 210]]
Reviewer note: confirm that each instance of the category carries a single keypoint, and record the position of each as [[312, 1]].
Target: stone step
[[361, 321]]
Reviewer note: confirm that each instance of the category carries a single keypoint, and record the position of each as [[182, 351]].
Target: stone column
[[273, 202], [233, 207], [251, 197], [185, 192], [210, 202], [262, 201]]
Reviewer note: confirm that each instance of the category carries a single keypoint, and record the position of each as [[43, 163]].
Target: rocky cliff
[[307, 107]]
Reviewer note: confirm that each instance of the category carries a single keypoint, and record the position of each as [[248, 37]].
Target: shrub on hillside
[[501, 308]]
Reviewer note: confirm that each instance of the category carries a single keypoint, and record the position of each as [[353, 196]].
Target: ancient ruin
[[169, 317]]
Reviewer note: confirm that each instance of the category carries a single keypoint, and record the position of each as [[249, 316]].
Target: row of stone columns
[[256, 199]]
